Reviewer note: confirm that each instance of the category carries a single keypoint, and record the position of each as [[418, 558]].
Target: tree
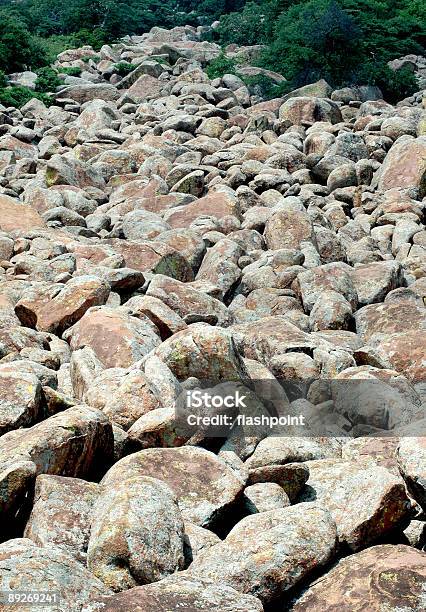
[[18, 49], [317, 39]]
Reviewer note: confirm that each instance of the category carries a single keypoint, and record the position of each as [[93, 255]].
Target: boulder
[[388, 577], [204, 485], [268, 553], [27, 567], [15, 216], [87, 92], [66, 308], [117, 338], [60, 517], [22, 400], [306, 109], [366, 500], [404, 166], [177, 592], [136, 534], [411, 457]]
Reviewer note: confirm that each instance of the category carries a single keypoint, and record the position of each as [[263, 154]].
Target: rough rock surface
[[24, 566], [179, 592], [269, 552], [136, 534], [387, 577], [204, 485]]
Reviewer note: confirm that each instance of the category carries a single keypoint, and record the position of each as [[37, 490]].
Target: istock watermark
[[221, 410], [307, 408], [199, 399]]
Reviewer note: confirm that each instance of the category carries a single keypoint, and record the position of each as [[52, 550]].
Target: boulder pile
[[159, 229]]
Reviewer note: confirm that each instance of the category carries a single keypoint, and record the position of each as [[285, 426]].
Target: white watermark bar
[[308, 408]]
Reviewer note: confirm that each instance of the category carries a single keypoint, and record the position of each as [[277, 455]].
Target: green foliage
[[316, 39], [18, 49], [395, 85], [3, 79], [74, 71], [47, 80], [260, 85], [124, 68], [246, 28], [347, 42], [94, 58], [343, 41], [18, 96], [219, 66]]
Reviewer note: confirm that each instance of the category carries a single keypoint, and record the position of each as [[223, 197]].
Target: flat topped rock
[[179, 592], [204, 485], [15, 216], [391, 578], [269, 552], [365, 499], [24, 566]]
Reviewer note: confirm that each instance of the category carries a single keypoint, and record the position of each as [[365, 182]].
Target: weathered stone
[[15, 216], [192, 305], [309, 109], [411, 457], [365, 500], [288, 229], [265, 496], [329, 277], [216, 205], [388, 577], [404, 166], [77, 442], [180, 591], [136, 531], [117, 338], [269, 552], [24, 565], [204, 485], [61, 514], [22, 400], [204, 352], [66, 308]]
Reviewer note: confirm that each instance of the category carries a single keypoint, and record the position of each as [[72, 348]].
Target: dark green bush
[[3, 80], [47, 80], [219, 66], [263, 86], [18, 49], [87, 58], [124, 68], [74, 71], [18, 96], [245, 28], [395, 85]]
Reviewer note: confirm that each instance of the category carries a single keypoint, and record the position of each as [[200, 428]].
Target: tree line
[[344, 41]]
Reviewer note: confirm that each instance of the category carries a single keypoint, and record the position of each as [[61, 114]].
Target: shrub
[[124, 68], [18, 49], [261, 85], [245, 28], [219, 66], [395, 85], [74, 71], [18, 96], [3, 80], [317, 39], [87, 58], [47, 80]]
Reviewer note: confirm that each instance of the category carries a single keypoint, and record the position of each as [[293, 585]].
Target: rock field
[[161, 229]]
